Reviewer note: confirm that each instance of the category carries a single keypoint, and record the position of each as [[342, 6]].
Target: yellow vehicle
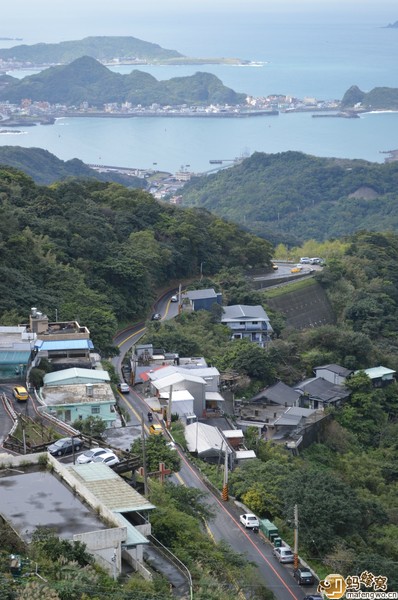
[[155, 429], [20, 393], [296, 269]]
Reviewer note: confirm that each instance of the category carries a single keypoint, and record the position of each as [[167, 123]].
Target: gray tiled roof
[[280, 393]]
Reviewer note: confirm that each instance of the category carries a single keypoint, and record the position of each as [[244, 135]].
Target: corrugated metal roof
[[376, 372], [11, 357], [110, 488], [176, 378], [48, 345], [201, 294], [244, 311], [177, 395], [76, 373], [204, 439]]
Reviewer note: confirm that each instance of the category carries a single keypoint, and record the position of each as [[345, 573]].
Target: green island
[[106, 49]]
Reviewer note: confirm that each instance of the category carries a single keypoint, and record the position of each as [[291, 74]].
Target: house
[[270, 403], [277, 394], [333, 373], [248, 322], [206, 441], [320, 393], [74, 394], [380, 376], [200, 384], [16, 346], [288, 424], [201, 299], [65, 353]]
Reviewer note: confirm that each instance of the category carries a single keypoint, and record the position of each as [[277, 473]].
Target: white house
[[248, 322]]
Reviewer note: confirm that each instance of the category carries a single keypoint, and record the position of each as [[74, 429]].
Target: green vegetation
[[379, 98], [156, 451], [103, 48], [87, 80], [292, 197], [45, 168], [98, 252]]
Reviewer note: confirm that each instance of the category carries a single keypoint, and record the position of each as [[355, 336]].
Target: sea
[[318, 54]]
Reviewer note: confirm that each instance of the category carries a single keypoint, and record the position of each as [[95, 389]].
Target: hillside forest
[[100, 253], [292, 197]]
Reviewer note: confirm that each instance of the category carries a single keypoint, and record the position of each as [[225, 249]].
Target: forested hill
[[98, 252], [292, 197], [87, 80], [45, 168], [379, 98], [103, 48]]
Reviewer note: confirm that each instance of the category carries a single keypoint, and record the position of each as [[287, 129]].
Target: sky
[[158, 20]]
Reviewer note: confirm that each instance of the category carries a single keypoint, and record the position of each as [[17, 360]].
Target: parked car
[[249, 520], [89, 455], [303, 576], [174, 298], [155, 429], [123, 388], [109, 459], [20, 393], [65, 446], [305, 260], [284, 554], [156, 317]]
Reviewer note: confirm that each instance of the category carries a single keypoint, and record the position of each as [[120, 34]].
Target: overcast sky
[[56, 20]]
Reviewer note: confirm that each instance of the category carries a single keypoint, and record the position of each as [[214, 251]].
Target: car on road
[[296, 269], [174, 298], [303, 576], [155, 429], [20, 393], [315, 261], [109, 458], [274, 267], [249, 520], [89, 455], [284, 554], [305, 260], [123, 388], [65, 446], [156, 317]]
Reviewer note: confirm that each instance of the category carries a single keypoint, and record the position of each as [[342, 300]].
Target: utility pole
[[144, 456], [295, 564], [225, 495], [168, 420]]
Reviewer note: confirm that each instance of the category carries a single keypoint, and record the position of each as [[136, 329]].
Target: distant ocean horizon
[[303, 57]]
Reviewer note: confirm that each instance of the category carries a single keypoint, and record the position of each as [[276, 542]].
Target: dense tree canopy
[[97, 252]]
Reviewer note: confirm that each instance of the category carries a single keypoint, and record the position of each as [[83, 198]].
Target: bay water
[[318, 54]]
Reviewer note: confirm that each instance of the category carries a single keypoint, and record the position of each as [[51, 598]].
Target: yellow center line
[[130, 336]]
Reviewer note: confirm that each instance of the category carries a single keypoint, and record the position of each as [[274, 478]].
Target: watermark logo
[[334, 587]]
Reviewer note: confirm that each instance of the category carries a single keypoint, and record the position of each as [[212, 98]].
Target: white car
[[305, 260], [109, 458], [249, 520], [174, 298], [284, 554], [89, 455], [123, 388]]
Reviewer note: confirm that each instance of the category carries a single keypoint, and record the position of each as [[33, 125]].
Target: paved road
[[225, 525]]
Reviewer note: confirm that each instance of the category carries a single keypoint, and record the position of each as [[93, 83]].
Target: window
[[95, 410]]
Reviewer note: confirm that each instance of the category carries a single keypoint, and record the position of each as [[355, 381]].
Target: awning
[[177, 395], [215, 396]]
